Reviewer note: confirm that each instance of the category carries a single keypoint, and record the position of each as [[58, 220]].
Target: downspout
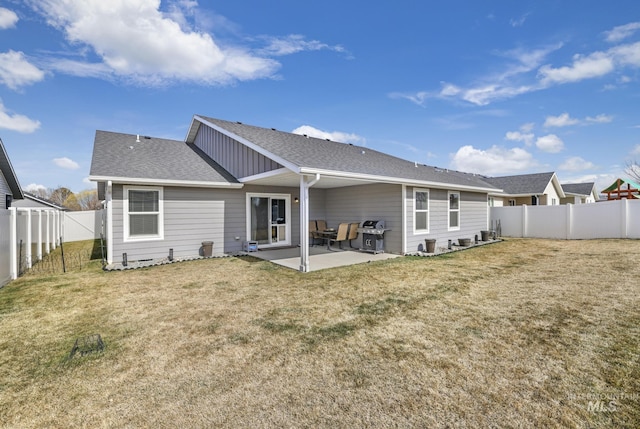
[[304, 221], [109, 207]]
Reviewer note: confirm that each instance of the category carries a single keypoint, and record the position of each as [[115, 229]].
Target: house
[[579, 193], [621, 188], [231, 183], [9, 186], [33, 201], [530, 189]]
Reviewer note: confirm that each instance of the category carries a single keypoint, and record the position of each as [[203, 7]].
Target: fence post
[[624, 218], [524, 221], [569, 208], [39, 251], [13, 236], [29, 239]]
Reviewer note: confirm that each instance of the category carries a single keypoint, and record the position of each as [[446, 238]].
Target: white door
[[269, 219]]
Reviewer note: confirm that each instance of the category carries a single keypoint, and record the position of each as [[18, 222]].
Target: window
[[491, 202], [512, 203], [421, 210], [454, 211], [554, 201], [143, 213]]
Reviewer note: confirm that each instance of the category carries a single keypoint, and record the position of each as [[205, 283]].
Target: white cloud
[[337, 136], [294, 43], [550, 143], [136, 41], [621, 32], [517, 136], [19, 123], [495, 160], [8, 18], [564, 120], [34, 188], [636, 150], [627, 55], [66, 163], [418, 98], [583, 67], [520, 21], [527, 128], [576, 163], [16, 71], [599, 119]]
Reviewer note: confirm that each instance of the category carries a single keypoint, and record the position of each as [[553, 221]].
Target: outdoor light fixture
[[296, 200], [9, 199]]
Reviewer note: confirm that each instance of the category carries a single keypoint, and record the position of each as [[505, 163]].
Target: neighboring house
[[34, 202], [622, 188], [10, 190], [229, 183], [531, 189], [579, 193]]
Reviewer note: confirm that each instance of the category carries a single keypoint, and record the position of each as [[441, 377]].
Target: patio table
[[327, 235]]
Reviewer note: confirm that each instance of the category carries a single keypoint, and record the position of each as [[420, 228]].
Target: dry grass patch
[[521, 333]]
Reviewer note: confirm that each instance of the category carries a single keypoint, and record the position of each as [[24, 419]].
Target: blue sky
[[491, 87]]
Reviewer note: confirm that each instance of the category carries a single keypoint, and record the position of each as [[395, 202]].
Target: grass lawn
[[524, 333]]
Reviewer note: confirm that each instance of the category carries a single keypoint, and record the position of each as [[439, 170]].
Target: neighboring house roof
[[526, 184], [308, 155], [31, 200], [9, 174], [128, 158], [584, 189]]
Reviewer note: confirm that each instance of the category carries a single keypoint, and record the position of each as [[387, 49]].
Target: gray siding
[[233, 156], [4, 190], [473, 218], [194, 215], [368, 202]]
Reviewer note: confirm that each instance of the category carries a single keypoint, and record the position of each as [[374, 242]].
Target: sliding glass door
[[269, 219]]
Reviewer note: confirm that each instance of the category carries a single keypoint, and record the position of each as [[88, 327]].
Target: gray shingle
[[310, 152], [9, 174], [578, 188], [120, 155], [522, 184]]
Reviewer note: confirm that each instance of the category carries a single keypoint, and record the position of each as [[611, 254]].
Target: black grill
[[373, 235]]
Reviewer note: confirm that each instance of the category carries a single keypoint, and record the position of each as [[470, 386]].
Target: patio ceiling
[[291, 179]]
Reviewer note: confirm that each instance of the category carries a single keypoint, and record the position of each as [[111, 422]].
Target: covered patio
[[319, 257]]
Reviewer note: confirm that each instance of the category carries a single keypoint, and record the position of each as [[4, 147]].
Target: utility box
[[250, 246]]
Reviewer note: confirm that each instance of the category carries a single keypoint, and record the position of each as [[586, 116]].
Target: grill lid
[[373, 224]]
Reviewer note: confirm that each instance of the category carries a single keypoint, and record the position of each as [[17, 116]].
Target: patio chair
[[321, 225], [353, 232], [341, 235], [313, 228]]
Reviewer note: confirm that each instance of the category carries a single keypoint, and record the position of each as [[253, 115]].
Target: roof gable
[[9, 174], [523, 184], [308, 155], [585, 189]]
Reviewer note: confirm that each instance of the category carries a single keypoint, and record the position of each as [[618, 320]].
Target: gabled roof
[[128, 158], [618, 183], [32, 199], [9, 174], [584, 189], [308, 155], [526, 184]]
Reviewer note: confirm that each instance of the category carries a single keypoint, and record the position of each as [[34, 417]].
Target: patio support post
[[304, 221], [109, 226]]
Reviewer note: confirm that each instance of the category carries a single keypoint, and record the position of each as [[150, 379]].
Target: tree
[[60, 195], [633, 170], [88, 200]]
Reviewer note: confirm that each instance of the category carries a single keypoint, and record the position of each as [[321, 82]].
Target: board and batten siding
[[233, 156], [474, 215], [4, 191], [368, 202], [194, 215]]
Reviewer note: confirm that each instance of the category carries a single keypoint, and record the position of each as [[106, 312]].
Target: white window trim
[[127, 238], [449, 210], [287, 198], [415, 210]]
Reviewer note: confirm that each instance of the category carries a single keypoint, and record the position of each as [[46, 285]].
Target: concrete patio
[[319, 257]]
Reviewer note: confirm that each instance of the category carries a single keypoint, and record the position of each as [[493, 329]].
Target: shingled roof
[[578, 188], [142, 159], [305, 154], [523, 184]]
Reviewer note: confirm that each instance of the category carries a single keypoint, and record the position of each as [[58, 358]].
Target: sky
[[489, 87]]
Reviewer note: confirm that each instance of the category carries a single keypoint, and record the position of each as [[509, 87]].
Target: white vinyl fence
[[26, 234], [607, 219]]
